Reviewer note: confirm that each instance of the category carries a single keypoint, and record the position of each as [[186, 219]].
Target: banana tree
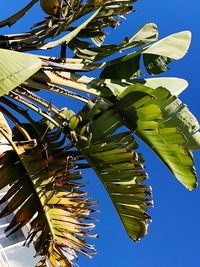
[[44, 148]]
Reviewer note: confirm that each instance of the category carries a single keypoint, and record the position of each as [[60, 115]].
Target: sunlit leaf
[[15, 68]]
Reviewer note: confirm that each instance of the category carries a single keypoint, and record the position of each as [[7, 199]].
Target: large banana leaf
[[119, 167], [166, 125], [158, 55], [15, 68], [121, 172], [159, 118]]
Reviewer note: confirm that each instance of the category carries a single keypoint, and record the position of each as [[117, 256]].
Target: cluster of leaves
[[41, 158]]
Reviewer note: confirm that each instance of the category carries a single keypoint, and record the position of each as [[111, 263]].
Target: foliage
[[43, 148]]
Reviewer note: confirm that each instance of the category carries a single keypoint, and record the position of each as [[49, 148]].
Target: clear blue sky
[[174, 234]]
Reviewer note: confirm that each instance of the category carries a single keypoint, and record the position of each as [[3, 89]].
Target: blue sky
[[174, 234]]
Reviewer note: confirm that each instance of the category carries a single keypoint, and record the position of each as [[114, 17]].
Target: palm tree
[[44, 148]]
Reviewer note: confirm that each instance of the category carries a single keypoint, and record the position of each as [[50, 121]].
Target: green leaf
[[174, 85], [123, 68], [106, 124], [15, 68], [166, 125], [146, 34], [174, 46], [158, 55], [121, 171]]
